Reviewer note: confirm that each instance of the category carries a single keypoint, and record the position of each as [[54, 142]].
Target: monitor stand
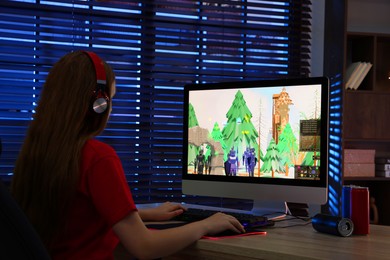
[[270, 209]]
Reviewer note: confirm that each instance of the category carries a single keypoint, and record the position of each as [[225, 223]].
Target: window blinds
[[155, 48]]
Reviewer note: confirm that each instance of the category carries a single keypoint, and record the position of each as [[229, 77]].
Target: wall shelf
[[366, 110]]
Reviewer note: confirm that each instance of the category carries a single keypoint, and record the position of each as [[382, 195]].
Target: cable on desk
[[307, 221]]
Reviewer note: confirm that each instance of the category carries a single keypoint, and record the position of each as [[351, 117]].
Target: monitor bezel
[[321, 182]]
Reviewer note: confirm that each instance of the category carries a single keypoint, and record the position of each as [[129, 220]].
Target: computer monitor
[[264, 140]]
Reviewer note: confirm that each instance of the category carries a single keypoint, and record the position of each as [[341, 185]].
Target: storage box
[[359, 169], [359, 156]]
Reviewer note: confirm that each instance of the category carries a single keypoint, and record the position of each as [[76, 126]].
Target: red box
[[360, 210]]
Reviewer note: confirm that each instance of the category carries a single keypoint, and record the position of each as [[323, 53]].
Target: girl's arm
[[143, 243]]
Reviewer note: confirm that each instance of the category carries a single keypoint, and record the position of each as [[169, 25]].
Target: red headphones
[[101, 101]]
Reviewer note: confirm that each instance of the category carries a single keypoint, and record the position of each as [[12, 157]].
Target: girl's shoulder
[[93, 146]]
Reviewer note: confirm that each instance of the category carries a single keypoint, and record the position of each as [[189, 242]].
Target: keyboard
[[166, 225], [248, 220]]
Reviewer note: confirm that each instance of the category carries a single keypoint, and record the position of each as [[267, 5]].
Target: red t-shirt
[[103, 198]]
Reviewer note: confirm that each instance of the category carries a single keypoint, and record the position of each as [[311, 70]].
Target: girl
[[73, 188]]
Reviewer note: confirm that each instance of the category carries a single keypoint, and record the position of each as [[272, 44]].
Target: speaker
[[333, 225], [101, 99]]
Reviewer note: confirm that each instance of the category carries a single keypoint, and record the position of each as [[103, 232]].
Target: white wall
[[368, 16]]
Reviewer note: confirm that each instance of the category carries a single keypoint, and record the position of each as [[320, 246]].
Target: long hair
[[46, 173]]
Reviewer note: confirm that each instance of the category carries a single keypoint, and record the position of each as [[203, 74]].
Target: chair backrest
[[18, 238]]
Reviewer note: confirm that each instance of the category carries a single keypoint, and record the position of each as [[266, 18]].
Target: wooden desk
[[299, 242]]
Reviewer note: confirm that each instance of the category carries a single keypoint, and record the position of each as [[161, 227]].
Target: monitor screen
[[264, 140]]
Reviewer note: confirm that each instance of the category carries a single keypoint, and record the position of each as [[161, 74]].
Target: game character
[[208, 164], [199, 162], [233, 162], [252, 160], [246, 159]]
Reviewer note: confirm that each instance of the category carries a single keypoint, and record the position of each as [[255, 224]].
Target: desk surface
[[297, 242]]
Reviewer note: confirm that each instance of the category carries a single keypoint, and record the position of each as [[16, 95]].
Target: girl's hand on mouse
[[220, 222]]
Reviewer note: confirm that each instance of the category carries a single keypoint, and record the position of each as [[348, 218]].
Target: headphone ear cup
[[100, 103]]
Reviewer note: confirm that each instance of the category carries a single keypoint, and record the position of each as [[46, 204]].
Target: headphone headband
[[101, 98], [99, 67]]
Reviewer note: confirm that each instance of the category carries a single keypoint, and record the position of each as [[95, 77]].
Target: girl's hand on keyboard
[[165, 211], [220, 222]]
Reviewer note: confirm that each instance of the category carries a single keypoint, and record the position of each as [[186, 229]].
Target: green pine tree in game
[[192, 122], [288, 147], [239, 131], [217, 136], [308, 159], [272, 161]]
